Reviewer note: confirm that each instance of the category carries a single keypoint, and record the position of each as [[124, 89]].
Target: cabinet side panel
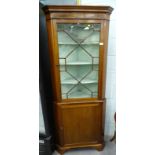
[[105, 38], [103, 58], [53, 58]]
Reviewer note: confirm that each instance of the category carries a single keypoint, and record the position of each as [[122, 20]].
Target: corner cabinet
[[77, 38]]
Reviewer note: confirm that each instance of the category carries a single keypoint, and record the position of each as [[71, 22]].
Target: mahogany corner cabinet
[[78, 39]]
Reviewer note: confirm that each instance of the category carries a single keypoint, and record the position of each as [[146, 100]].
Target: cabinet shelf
[[79, 94], [90, 43], [79, 63], [71, 81]]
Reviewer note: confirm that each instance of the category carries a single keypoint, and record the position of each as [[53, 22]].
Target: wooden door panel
[[81, 123]]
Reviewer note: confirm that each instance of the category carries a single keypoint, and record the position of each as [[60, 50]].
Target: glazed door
[[79, 46]]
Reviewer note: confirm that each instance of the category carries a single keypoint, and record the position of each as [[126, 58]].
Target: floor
[[110, 149]]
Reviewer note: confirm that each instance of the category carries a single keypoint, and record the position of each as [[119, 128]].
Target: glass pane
[[79, 59]]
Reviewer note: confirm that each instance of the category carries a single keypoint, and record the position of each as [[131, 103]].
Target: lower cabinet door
[[80, 123]]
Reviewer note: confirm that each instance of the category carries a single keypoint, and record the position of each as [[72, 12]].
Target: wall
[[111, 69], [45, 86], [41, 120]]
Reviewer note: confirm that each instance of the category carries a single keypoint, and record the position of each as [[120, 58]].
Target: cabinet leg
[[100, 147], [61, 150]]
